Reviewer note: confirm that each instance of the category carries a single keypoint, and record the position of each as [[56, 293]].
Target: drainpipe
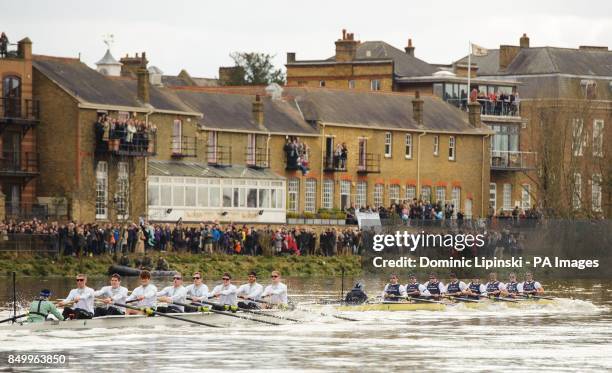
[[322, 165], [418, 186], [267, 149], [482, 176], [146, 170]]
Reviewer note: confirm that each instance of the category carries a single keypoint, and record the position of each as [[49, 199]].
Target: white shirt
[[177, 294], [462, 286], [86, 301], [117, 295], [150, 296], [227, 294], [402, 290], [252, 291], [277, 292], [198, 292]]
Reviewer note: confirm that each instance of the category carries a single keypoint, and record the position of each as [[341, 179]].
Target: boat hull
[[423, 306]]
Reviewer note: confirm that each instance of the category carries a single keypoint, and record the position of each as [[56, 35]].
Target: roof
[[380, 110], [90, 87], [234, 112], [108, 59], [194, 169], [548, 60]]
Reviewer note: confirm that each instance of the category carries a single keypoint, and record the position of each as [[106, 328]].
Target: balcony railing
[[184, 146], [12, 51], [504, 108], [219, 156], [17, 163], [333, 163], [369, 163], [23, 211], [513, 160], [258, 158], [142, 144], [15, 109]]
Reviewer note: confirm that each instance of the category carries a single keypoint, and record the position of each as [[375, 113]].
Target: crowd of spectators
[[296, 153], [123, 134]]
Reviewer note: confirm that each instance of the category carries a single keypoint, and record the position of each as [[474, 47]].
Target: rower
[[250, 291], [171, 294], [356, 295], [145, 294], [83, 299], [41, 308], [277, 291], [531, 287], [475, 289], [393, 290], [434, 286], [512, 287], [115, 293], [494, 287], [455, 287], [226, 293], [414, 289], [198, 291]]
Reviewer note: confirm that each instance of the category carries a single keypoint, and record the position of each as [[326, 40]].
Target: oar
[[149, 311], [247, 310], [203, 302], [535, 296], [14, 318], [462, 299], [503, 299], [330, 315], [415, 299]]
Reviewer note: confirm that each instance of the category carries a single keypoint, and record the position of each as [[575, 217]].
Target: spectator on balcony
[[474, 95], [4, 42]]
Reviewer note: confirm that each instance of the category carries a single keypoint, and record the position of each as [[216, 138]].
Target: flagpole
[[469, 90]]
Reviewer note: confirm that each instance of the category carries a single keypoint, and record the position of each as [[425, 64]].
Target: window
[[507, 196], [456, 199], [101, 190], [351, 84], [394, 194], [388, 144], [177, 133], [451, 148], [328, 194], [310, 196], [577, 196], [440, 194], [11, 93], [426, 193], [251, 146], [526, 197], [375, 85], [361, 196], [410, 193], [123, 190], [578, 137], [408, 150], [293, 192], [598, 132], [436, 145], [493, 197], [215, 196], [596, 193], [264, 198], [321, 83], [212, 147], [378, 195], [345, 194]]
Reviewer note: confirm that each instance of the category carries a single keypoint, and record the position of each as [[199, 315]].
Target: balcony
[[141, 144], [18, 111], [184, 146], [23, 211], [219, 156], [257, 158], [332, 163], [504, 108], [502, 160], [369, 163], [12, 51], [19, 164]]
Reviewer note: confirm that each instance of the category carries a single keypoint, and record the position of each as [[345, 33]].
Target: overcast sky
[[200, 35]]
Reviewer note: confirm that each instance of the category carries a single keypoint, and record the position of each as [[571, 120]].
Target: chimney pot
[[409, 48], [524, 41], [343, 34]]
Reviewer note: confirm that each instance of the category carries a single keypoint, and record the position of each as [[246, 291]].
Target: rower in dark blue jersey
[[455, 287], [414, 289], [531, 287], [475, 289], [434, 287], [512, 287], [494, 287], [393, 290]]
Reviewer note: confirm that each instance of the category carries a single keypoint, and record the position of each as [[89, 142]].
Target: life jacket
[[411, 288], [512, 287], [453, 287], [492, 286], [393, 289], [37, 312], [529, 286], [433, 287]]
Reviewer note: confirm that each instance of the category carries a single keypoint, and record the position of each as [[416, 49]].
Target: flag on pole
[[479, 51]]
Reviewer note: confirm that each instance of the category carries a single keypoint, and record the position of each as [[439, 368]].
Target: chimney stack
[[346, 48], [24, 48], [143, 85], [417, 109], [131, 65], [409, 48], [258, 111], [474, 114], [290, 57], [524, 41], [507, 53]]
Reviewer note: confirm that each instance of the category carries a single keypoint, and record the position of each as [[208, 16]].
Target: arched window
[[11, 96]]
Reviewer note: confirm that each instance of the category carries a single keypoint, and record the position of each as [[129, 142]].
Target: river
[[570, 336]]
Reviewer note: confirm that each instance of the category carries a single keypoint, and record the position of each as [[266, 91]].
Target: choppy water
[[571, 336]]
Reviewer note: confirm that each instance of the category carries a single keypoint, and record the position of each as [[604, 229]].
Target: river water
[[574, 335]]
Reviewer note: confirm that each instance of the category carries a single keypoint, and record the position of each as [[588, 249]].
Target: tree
[[254, 69]]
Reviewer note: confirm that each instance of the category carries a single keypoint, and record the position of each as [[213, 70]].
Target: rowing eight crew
[[146, 295], [434, 288]]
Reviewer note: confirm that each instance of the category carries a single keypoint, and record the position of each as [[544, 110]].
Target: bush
[[308, 215], [292, 215], [339, 215], [324, 215]]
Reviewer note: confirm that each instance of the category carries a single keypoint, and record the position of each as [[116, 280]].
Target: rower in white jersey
[[225, 293], [475, 289], [196, 292], [494, 288], [393, 291], [115, 293], [277, 291], [414, 289], [455, 288], [145, 294], [435, 288], [171, 294], [83, 299], [513, 288], [531, 287], [249, 292]]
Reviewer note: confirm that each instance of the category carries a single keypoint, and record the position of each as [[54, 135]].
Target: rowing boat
[[421, 306], [139, 321]]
